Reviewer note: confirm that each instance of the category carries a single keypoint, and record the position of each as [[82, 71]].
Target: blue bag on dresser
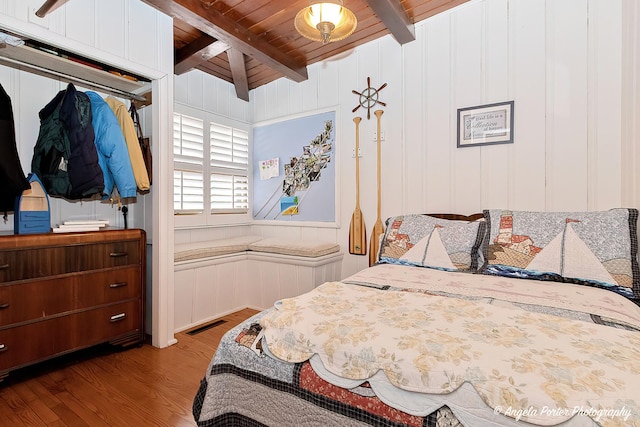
[[32, 211]]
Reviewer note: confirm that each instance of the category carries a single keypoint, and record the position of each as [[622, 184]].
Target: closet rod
[[69, 79]]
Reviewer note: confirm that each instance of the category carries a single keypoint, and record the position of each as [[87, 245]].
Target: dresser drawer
[[108, 287], [33, 263], [27, 301], [105, 255], [38, 341], [33, 300]]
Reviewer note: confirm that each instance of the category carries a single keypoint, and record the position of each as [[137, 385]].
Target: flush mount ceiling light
[[325, 21]]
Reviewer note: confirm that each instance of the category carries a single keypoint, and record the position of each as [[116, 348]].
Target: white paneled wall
[[572, 68], [205, 92], [190, 235], [631, 103], [562, 64], [528, 161]]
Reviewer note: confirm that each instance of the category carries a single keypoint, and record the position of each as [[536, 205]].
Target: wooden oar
[[378, 228], [357, 228]]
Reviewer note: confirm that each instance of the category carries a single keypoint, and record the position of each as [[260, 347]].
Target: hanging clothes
[[65, 158], [131, 138], [12, 177], [85, 173], [113, 155]]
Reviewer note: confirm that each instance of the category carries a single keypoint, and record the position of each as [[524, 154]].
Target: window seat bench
[[217, 277]]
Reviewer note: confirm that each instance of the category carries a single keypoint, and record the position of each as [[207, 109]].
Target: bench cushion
[[294, 247], [210, 248]]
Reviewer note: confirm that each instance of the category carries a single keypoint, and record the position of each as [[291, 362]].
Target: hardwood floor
[[140, 386]]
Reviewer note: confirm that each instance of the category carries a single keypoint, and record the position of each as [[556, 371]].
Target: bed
[[516, 318]]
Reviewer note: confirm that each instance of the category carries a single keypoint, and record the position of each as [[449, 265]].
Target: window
[[188, 157], [229, 168], [211, 165]]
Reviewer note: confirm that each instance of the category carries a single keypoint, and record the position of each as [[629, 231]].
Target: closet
[[48, 69], [68, 291], [137, 39]]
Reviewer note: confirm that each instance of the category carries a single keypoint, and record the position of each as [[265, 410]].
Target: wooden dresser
[[63, 292]]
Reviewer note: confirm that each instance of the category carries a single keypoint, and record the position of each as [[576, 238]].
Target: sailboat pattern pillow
[[426, 241], [591, 248]]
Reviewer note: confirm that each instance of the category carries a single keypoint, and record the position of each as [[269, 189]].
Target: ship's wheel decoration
[[369, 97]]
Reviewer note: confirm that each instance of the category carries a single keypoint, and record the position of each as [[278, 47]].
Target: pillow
[[427, 241], [293, 247], [210, 248], [590, 248]]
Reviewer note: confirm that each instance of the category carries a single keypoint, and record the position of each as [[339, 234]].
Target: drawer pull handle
[[118, 285], [4, 266], [4, 305], [3, 347], [117, 317], [118, 254]]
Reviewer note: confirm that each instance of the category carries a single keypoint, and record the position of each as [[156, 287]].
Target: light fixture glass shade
[[325, 12], [325, 21]]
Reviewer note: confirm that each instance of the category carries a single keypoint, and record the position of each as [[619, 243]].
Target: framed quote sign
[[485, 124]]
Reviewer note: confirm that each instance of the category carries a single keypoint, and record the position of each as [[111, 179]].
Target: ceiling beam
[[395, 18], [197, 52], [49, 6], [219, 26], [239, 73]]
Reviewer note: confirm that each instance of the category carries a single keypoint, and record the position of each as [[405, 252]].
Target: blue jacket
[[113, 155]]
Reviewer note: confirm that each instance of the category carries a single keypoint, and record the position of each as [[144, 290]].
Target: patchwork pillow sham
[[590, 248], [426, 241]]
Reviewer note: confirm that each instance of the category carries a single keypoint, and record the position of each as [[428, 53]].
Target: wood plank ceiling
[[253, 42]]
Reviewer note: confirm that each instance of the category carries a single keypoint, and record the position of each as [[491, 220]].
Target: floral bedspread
[[531, 366], [535, 293]]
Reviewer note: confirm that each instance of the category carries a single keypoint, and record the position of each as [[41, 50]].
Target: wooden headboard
[[458, 217]]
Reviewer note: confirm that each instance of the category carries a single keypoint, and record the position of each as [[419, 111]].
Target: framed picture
[[294, 173], [485, 124]]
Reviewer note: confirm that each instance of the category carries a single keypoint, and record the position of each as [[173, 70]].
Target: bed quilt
[[245, 387], [393, 344]]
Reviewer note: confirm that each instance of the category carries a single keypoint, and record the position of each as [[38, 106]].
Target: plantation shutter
[[229, 161], [188, 174]]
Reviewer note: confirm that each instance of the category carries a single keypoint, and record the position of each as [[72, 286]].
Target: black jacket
[[11, 175], [65, 157]]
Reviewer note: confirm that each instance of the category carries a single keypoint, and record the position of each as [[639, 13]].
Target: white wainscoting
[[210, 288]]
